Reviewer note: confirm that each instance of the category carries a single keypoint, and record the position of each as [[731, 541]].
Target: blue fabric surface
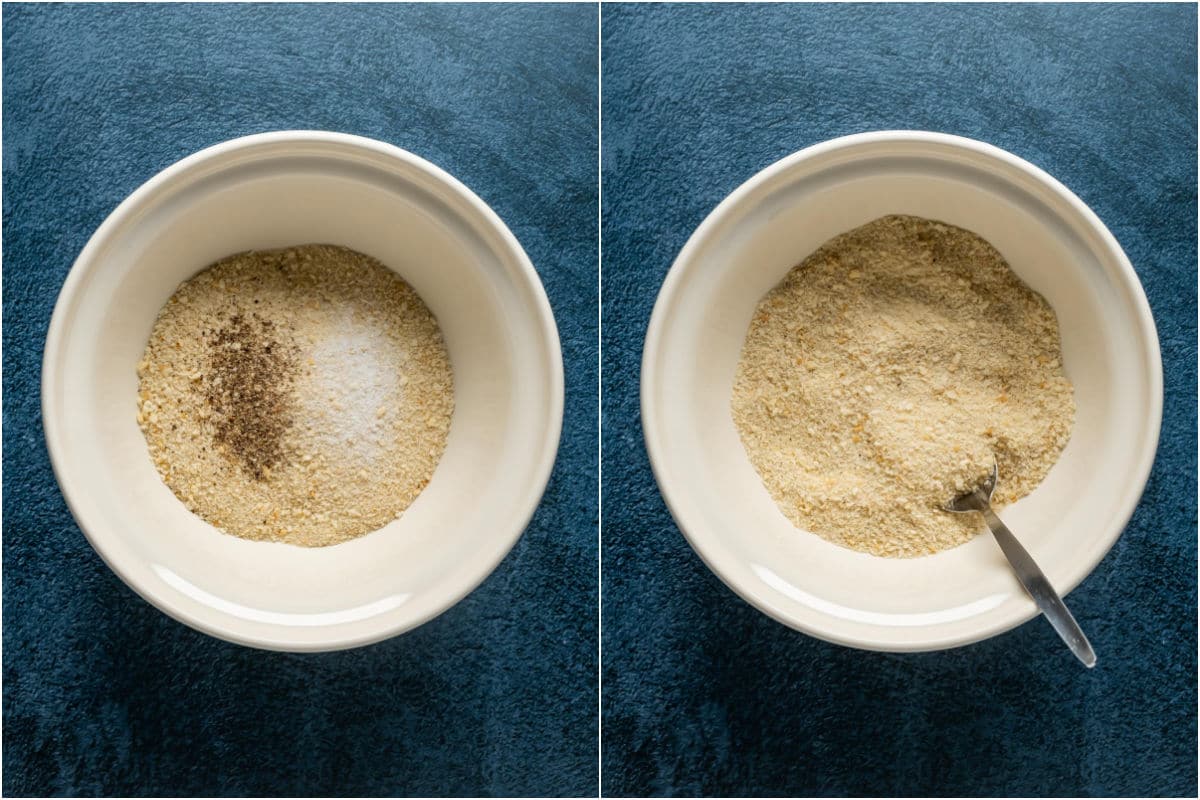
[[104, 694], [702, 693]]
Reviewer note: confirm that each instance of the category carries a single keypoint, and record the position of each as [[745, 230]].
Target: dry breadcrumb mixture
[[300, 395], [881, 376]]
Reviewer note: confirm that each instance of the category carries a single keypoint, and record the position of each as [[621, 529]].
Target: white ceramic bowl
[[273, 190], [746, 246]]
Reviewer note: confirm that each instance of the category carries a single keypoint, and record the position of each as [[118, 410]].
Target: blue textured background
[[702, 693], [104, 694]]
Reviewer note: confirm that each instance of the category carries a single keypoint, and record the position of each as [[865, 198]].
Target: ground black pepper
[[248, 389]]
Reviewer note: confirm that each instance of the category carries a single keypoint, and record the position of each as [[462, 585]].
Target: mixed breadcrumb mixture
[[881, 377], [300, 395]]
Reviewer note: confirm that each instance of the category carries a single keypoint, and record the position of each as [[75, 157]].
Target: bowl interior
[[748, 245], [502, 346]]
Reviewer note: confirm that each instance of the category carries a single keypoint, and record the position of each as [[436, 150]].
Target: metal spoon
[[979, 499]]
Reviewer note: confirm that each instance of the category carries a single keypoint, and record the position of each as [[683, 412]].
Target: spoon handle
[[1040, 590]]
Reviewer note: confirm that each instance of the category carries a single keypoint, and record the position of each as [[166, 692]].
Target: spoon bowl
[[978, 498]]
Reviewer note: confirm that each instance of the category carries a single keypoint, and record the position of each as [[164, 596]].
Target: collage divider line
[[599, 400]]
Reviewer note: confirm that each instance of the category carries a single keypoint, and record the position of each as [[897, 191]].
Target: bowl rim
[[224, 626], [731, 204]]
